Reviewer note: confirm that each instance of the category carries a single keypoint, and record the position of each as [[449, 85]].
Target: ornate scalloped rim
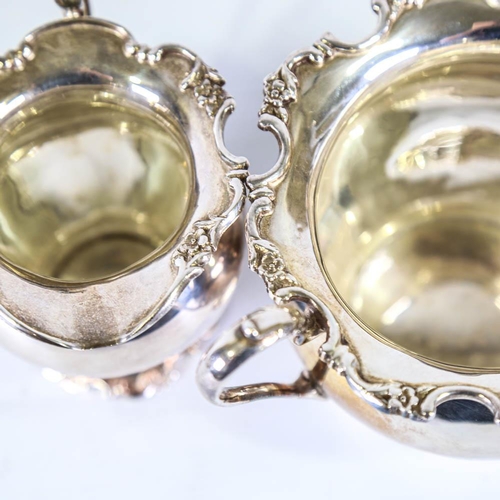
[[16, 60], [418, 402], [202, 240]]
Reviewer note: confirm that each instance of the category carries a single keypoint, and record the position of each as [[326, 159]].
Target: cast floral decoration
[[196, 244], [277, 96], [210, 93], [269, 264], [207, 86], [402, 400]]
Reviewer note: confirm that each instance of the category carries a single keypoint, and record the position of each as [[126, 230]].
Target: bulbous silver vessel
[[377, 233], [119, 203]]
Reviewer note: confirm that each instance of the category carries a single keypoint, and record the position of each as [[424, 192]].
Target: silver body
[[439, 406], [132, 321]]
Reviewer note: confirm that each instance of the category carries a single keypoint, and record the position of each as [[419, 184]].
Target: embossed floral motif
[[16, 60], [271, 267], [207, 86], [205, 82], [402, 400], [277, 97], [196, 243], [406, 4], [210, 95]]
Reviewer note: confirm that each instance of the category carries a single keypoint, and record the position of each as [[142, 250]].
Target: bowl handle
[[252, 335]]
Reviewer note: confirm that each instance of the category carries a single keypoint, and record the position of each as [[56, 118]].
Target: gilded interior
[[91, 184], [407, 209]]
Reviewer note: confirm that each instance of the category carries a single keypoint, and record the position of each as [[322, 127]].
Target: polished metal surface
[[379, 223], [254, 334], [119, 202], [192, 316]]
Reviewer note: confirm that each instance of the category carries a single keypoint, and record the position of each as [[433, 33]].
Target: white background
[[176, 445]]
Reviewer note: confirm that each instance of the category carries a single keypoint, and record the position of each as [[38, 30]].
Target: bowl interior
[[90, 184], [407, 209]]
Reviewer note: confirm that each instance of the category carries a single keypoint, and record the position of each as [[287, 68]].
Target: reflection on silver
[[446, 143]]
